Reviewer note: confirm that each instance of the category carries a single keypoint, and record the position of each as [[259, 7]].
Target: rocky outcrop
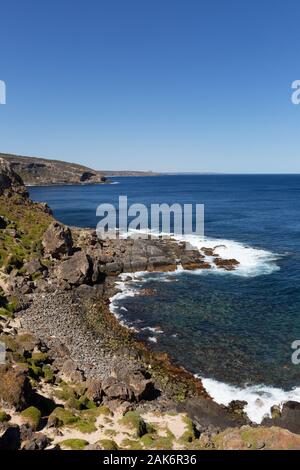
[[114, 389], [140, 386], [10, 182], [57, 240], [207, 414], [76, 270], [227, 264]]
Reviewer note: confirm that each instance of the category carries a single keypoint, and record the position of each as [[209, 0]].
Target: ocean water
[[234, 330]]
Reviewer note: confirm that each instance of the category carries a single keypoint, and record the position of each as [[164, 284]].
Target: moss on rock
[[134, 422], [62, 417], [130, 444], [108, 444], [74, 444], [32, 416]]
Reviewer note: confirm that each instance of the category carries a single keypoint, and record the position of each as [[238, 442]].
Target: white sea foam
[[152, 339], [259, 398], [155, 330], [253, 261], [124, 291]]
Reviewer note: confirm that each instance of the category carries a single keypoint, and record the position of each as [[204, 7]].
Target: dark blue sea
[[234, 330]]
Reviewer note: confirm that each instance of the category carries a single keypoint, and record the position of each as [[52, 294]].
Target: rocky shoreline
[[73, 376]]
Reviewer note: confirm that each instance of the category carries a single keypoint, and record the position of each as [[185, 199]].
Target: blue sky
[[166, 85]]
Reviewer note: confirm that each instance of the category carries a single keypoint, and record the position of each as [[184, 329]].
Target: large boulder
[[34, 266], [113, 389], [38, 441], [76, 270], [15, 388], [94, 390], [141, 388], [18, 285], [57, 240], [71, 371], [112, 269]]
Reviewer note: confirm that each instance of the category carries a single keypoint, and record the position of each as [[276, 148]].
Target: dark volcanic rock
[[289, 418], [207, 414], [38, 441], [237, 406], [57, 240]]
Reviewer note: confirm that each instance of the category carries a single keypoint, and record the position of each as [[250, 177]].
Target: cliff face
[[10, 182], [40, 171]]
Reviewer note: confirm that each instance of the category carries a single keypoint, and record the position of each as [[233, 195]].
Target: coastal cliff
[[73, 377], [36, 171]]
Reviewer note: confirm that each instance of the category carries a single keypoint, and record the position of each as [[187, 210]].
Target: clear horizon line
[[170, 173]]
